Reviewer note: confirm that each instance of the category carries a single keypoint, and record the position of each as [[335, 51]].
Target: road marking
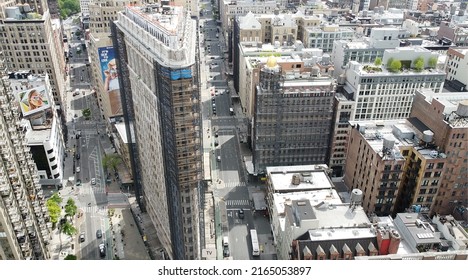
[[238, 202]]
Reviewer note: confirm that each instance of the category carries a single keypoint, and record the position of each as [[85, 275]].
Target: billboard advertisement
[[110, 78], [33, 100]]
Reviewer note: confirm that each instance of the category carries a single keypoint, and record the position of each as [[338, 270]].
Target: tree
[[418, 64], [56, 198], [68, 229], [70, 257], [111, 161], [68, 7], [432, 62], [70, 208], [378, 61], [86, 113], [395, 66], [54, 209]]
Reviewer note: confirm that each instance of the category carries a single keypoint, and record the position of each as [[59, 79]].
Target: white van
[[225, 241], [231, 111]]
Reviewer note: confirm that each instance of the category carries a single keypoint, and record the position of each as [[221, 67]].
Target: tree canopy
[[432, 62], [69, 7], [53, 207], [71, 208], [111, 161], [68, 229], [378, 61], [418, 64], [395, 65]]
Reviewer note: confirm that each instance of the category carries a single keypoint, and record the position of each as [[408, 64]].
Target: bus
[[255, 248]]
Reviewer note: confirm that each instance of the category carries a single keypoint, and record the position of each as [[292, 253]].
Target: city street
[[86, 153], [228, 173]]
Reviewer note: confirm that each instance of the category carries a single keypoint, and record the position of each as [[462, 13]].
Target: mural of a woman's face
[[35, 100]]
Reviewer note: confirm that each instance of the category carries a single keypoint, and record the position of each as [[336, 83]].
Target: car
[[218, 158], [93, 181], [102, 250], [82, 237], [78, 169], [216, 143], [99, 233], [240, 213], [221, 92], [77, 156], [216, 134], [78, 183], [226, 252], [213, 99]]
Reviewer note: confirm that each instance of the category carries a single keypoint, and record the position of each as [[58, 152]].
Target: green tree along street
[[68, 7], [68, 229], [111, 161], [86, 113], [70, 257], [54, 209], [70, 209]]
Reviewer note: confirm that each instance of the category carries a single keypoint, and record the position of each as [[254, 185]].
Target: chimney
[[383, 241], [394, 242]]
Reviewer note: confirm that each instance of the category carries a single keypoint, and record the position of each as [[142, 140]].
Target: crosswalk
[[93, 190], [233, 184], [238, 202], [95, 209]]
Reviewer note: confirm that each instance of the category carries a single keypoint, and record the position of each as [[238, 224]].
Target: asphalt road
[[92, 200]]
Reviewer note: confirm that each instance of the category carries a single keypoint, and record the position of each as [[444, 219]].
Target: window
[[440, 165]]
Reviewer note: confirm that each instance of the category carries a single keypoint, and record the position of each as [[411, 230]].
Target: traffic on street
[[228, 171]]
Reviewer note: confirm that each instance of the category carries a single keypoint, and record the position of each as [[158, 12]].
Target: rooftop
[[310, 177], [387, 137], [340, 234], [167, 18]]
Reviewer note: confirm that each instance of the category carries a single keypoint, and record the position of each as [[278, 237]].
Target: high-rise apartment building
[[43, 132], [447, 115], [156, 50], [84, 7], [293, 117], [24, 221], [32, 41]]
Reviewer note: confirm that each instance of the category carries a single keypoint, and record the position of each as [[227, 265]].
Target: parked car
[[93, 181], [99, 233], [78, 169], [216, 143], [77, 156], [78, 182]]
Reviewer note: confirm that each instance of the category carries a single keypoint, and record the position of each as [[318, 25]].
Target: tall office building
[[101, 53], [156, 57], [24, 221], [32, 41], [293, 117]]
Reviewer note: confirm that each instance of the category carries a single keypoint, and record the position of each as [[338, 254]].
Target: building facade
[[292, 119], [447, 114], [162, 101], [31, 41], [44, 135], [24, 222], [101, 14], [457, 67], [396, 165]]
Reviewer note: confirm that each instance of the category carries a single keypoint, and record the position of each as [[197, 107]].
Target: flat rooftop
[[340, 234], [397, 133], [315, 177], [166, 18]]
